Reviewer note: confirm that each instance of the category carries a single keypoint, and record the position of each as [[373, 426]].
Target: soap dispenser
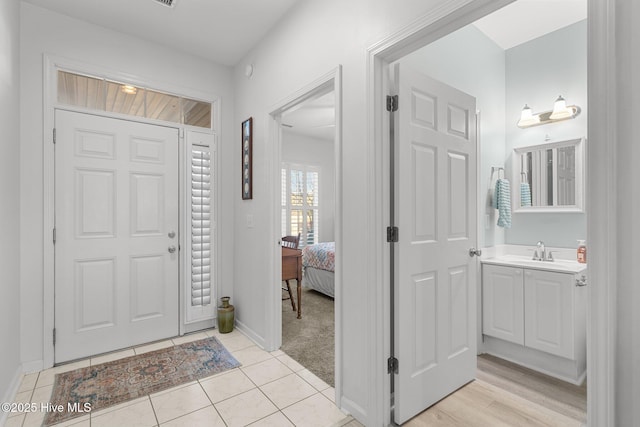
[[582, 251]]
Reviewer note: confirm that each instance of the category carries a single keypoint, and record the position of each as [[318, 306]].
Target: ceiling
[[526, 20], [314, 118], [222, 31], [518, 23]]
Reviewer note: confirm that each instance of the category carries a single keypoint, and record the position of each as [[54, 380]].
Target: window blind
[[200, 226], [300, 202]]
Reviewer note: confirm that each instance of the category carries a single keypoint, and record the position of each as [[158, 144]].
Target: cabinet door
[[549, 311], [502, 303]]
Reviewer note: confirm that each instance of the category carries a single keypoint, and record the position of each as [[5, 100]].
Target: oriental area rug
[[125, 379]]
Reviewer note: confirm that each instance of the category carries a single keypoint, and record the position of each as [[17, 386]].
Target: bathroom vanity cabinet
[[536, 317]]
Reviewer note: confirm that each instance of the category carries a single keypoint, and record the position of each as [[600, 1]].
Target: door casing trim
[[51, 63], [330, 81], [445, 19]]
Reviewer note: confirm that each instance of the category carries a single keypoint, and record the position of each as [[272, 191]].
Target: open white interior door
[[116, 249], [435, 279]]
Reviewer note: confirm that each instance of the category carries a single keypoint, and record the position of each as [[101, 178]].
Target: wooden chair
[[291, 242]]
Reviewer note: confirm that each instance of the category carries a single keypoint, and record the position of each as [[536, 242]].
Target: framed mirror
[[549, 177]]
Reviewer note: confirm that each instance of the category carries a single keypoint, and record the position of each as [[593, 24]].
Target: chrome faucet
[[540, 253], [541, 250]]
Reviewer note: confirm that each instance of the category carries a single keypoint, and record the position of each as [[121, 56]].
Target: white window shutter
[[201, 227], [300, 202]]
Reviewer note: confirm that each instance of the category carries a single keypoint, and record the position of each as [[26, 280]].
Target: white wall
[[314, 38], [46, 32], [502, 83], [537, 72], [305, 150], [9, 199], [471, 62], [355, 25]]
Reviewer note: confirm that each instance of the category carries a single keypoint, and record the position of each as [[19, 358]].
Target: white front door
[[116, 218], [435, 280]]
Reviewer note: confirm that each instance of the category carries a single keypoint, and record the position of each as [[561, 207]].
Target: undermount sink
[[559, 265]]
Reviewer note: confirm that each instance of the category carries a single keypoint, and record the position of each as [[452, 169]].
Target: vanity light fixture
[[527, 118], [560, 112]]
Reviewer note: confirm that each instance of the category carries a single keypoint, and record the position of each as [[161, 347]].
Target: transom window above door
[[97, 93]]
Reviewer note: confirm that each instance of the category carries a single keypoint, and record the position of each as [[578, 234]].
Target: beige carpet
[[310, 340]]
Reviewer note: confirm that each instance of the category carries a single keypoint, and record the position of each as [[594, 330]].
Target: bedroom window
[[300, 205]]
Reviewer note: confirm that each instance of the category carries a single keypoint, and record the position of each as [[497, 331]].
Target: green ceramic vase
[[226, 313]]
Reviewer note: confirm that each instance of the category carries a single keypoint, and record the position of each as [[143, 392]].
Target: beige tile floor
[[269, 389]]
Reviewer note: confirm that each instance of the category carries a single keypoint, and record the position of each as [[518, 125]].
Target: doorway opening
[[307, 216], [306, 307], [458, 52]]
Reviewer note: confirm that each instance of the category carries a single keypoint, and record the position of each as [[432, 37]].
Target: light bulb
[[560, 110], [527, 118]]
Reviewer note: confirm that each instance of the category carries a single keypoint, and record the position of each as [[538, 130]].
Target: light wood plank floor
[[505, 394]]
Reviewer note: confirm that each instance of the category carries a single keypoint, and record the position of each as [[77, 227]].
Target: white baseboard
[[11, 392], [251, 334], [353, 409], [33, 366]]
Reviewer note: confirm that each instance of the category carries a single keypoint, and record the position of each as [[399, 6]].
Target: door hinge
[[392, 365], [54, 235], [54, 336], [392, 234], [392, 103], [54, 135]]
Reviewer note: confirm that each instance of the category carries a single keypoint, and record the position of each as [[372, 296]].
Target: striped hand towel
[[525, 194], [502, 202]]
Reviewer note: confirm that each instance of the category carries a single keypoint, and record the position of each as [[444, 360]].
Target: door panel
[[424, 310], [94, 294], [435, 284], [95, 203], [424, 182], [116, 196], [458, 310], [147, 204]]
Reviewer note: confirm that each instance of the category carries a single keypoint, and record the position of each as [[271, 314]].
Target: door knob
[[172, 234], [172, 249], [475, 252]]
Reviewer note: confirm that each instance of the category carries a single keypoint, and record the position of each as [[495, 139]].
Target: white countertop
[[559, 265]]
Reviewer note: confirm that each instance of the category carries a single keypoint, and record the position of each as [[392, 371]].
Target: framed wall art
[[247, 159]]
